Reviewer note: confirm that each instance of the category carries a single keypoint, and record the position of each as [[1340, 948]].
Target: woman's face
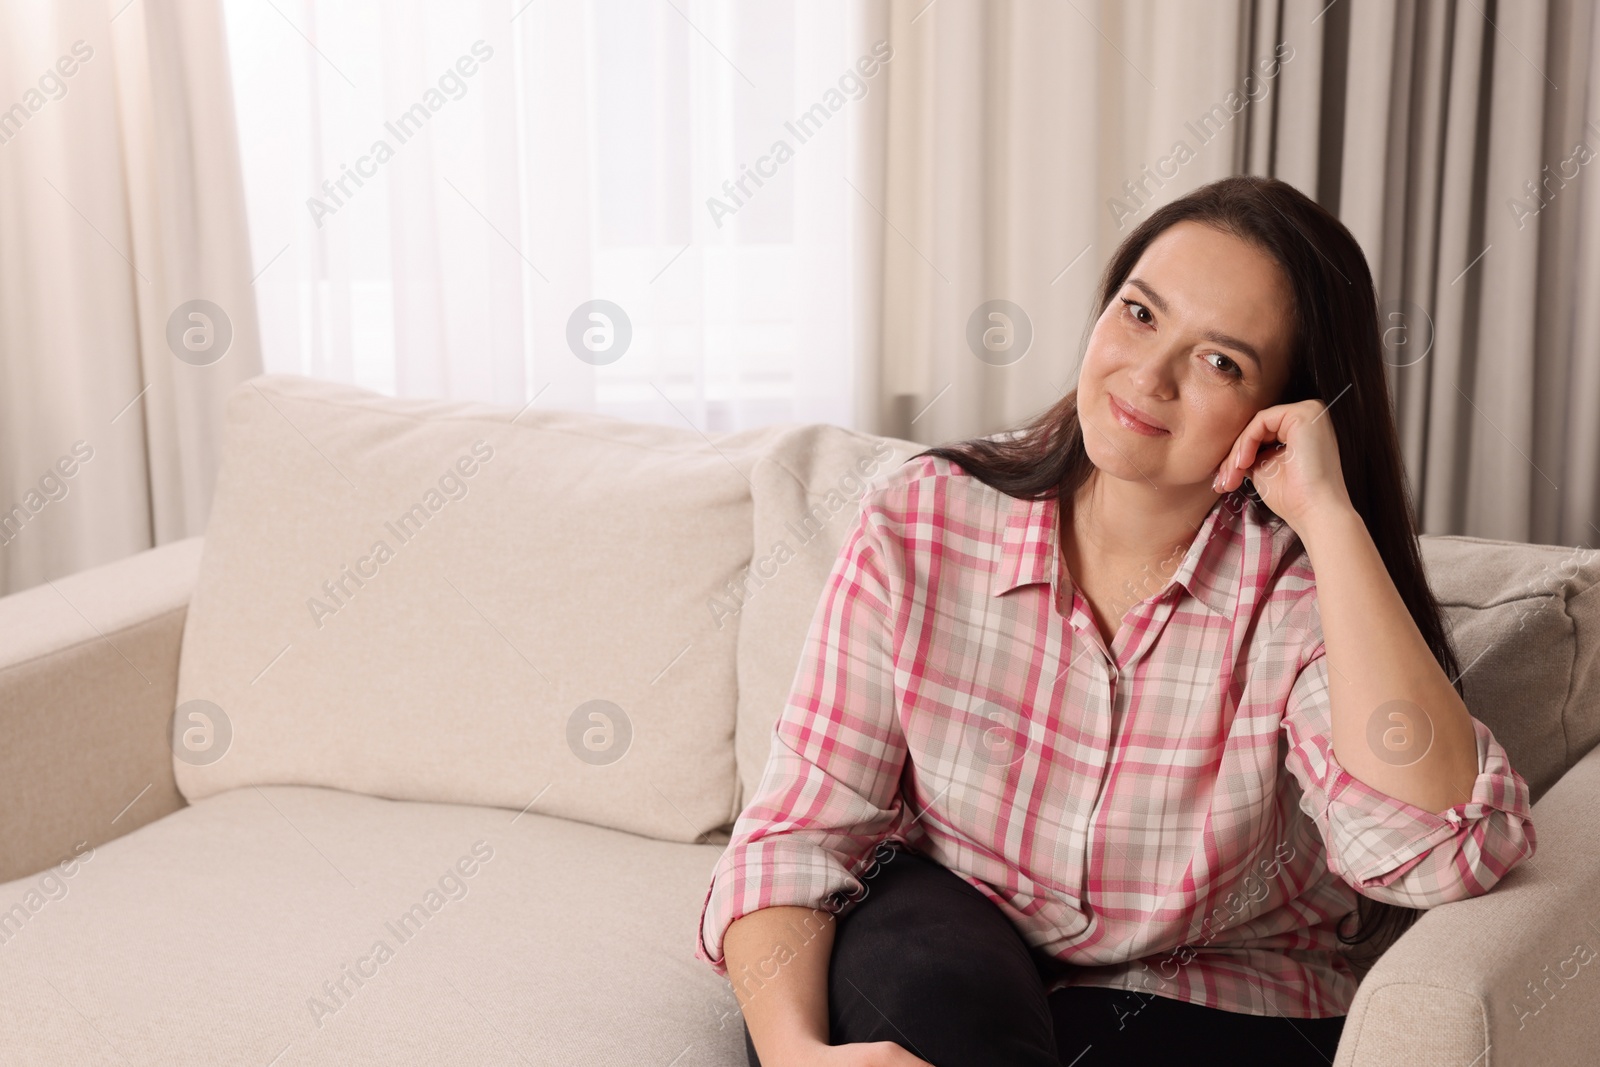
[[1196, 341]]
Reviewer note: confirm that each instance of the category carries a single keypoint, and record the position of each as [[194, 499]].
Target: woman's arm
[[1398, 723], [829, 793], [1416, 801], [787, 1012]]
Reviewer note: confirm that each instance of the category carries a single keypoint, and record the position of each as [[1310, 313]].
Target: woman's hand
[[1291, 455]]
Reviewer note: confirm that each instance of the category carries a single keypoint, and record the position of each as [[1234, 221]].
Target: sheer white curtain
[[434, 190]]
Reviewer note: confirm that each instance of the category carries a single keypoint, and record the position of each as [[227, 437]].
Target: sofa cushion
[[292, 925], [1525, 621], [807, 490], [448, 601]]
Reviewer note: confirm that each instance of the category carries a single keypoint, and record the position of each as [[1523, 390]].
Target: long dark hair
[[1336, 355]]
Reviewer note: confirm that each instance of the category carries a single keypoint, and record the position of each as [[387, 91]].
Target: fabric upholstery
[[423, 600], [1513, 971], [207, 937], [1525, 620], [88, 670]]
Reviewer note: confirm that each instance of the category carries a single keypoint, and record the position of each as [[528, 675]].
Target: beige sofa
[[427, 753]]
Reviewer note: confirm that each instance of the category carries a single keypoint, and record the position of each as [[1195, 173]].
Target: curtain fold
[[1479, 219], [1454, 141], [125, 304], [1023, 141]]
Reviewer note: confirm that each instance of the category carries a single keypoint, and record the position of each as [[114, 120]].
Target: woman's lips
[[1131, 421]]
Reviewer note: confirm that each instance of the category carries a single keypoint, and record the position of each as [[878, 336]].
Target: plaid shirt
[[1165, 815]]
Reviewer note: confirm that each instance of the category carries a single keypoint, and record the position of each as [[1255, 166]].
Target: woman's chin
[[1125, 455], [1122, 469]]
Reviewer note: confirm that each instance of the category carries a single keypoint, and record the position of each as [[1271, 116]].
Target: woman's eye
[[1228, 367], [1135, 307]]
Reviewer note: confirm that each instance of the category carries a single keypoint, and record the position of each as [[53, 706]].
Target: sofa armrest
[[88, 681], [1510, 977]]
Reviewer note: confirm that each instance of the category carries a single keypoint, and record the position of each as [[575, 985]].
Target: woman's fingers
[[1265, 430], [1242, 455]]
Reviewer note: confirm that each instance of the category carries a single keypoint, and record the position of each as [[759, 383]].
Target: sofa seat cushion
[[222, 934]]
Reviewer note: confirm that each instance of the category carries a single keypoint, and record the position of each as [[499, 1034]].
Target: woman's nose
[[1153, 374]]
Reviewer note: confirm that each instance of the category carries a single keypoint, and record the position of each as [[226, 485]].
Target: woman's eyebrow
[[1210, 335]]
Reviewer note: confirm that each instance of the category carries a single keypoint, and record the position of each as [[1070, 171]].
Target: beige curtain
[[125, 278], [1461, 173], [1445, 136], [989, 163]]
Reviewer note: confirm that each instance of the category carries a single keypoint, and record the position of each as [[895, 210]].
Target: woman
[[1092, 749]]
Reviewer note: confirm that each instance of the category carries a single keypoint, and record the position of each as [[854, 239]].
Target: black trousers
[[927, 961]]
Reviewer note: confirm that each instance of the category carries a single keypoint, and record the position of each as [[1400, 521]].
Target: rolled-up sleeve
[[831, 787], [1386, 848]]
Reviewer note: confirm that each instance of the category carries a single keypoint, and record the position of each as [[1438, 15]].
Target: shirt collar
[[1210, 570]]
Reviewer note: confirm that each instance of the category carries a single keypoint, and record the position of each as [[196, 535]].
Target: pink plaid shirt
[[1166, 815]]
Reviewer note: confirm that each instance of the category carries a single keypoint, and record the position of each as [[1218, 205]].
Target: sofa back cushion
[[1525, 622], [807, 489], [446, 601]]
